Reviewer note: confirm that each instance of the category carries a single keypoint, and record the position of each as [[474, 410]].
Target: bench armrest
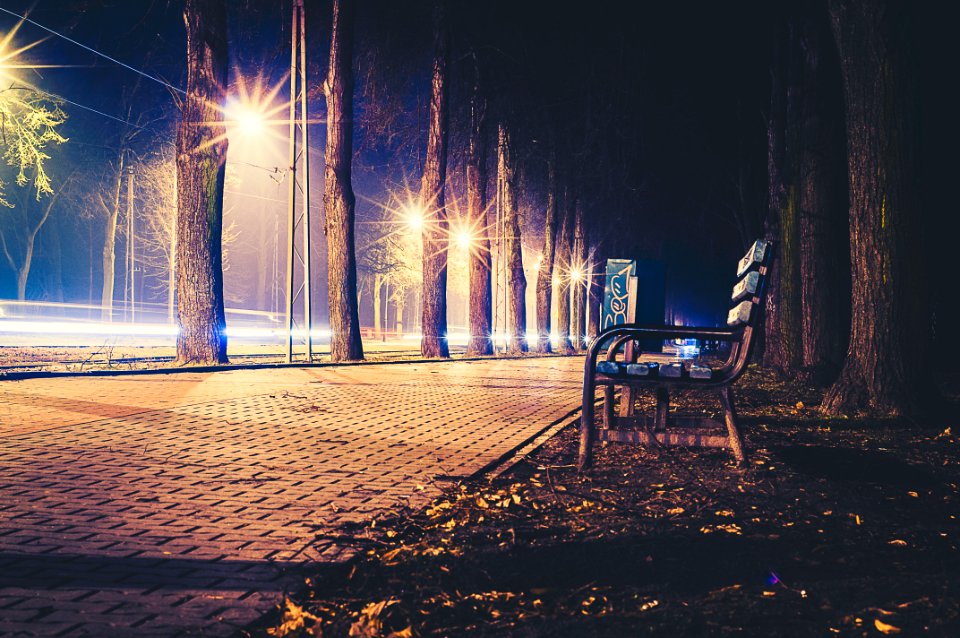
[[669, 332]]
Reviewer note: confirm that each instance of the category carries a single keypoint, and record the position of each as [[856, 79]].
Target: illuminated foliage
[[29, 122]]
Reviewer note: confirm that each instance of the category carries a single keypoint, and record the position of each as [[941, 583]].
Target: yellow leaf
[[898, 542], [800, 405], [675, 510], [481, 503], [727, 513], [884, 628]]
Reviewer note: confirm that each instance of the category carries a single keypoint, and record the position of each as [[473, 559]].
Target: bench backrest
[[751, 272], [747, 297]]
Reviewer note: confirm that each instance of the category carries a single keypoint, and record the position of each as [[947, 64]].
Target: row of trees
[[842, 190]]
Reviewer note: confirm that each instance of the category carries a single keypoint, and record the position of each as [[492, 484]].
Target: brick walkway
[[185, 504]]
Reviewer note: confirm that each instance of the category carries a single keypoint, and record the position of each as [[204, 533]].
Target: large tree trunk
[[547, 259], [481, 294], [886, 368], [338, 198], [578, 323], [512, 246], [201, 159], [782, 334], [110, 245], [824, 234], [562, 270], [432, 198]]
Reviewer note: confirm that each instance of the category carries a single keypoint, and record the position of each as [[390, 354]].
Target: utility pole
[[130, 278], [298, 94]]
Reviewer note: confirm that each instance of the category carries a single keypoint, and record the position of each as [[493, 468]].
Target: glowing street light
[[576, 275], [415, 216], [245, 118], [464, 239]]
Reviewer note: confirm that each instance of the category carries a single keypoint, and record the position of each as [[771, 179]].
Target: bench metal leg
[[608, 416], [586, 427], [730, 417], [663, 407]]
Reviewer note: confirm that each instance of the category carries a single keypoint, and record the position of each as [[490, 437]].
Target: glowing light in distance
[[414, 215], [464, 239], [576, 275], [245, 118]]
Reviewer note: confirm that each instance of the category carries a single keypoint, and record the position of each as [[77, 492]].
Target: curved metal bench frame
[[618, 339]]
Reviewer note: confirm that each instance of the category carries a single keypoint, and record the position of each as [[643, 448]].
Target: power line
[[94, 51]]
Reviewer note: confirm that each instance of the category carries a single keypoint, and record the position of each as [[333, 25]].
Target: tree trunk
[[824, 239], [201, 159], [595, 283], [579, 281], [782, 334], [377, 305], [886, 369], [435, 227], [110, 245], [481, 295], [512, 246], [547, 259], [338, 198], [562, 272]]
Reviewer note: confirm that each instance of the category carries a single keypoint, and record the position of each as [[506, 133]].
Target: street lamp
[[246, 119], [464, 239]]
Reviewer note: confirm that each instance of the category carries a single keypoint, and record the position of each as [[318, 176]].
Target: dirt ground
[[836, 527]]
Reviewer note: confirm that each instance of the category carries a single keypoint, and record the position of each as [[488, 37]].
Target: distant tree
[[29, 122], [480, 340], [338, 197], [561, 272], [201, 159], [157, 194], [886, 369], [20, 227], [512, 244], [579, 281], [432, 198], [547, 259]]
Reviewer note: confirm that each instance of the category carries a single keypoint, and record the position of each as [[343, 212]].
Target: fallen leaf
[[898, 542], [885, 628]]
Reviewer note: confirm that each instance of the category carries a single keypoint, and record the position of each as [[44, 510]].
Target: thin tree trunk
[[578, 316], [547, 259], [562, 272], [377, 305], [201, 159], [338, 198], [886, 369], [824, 229], [595, 283], [517, 281], [435, 228], [481, 295], [110, 245]]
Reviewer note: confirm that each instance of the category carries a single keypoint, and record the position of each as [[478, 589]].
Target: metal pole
[[305, 221], [128, 267], [132, 227], [292, 185]]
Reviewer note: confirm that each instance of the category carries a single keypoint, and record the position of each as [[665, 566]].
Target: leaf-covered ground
[[836, 527]]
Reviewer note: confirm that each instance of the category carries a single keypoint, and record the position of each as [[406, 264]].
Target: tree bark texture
[[338, 198], [824, 229], [886, 367], [562, 271], [547, 259], [481, 293], [578, 323], [782, 333], [432, 198], [201, 159], [512, 246]]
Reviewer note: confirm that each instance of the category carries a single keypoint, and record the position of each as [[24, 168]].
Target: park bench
[[632, 374]]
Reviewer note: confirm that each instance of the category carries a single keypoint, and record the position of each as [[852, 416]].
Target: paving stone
[[186, 504]]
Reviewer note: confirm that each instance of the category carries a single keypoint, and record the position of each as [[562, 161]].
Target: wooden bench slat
[[754, 256], [740, 314], [747, 287]]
